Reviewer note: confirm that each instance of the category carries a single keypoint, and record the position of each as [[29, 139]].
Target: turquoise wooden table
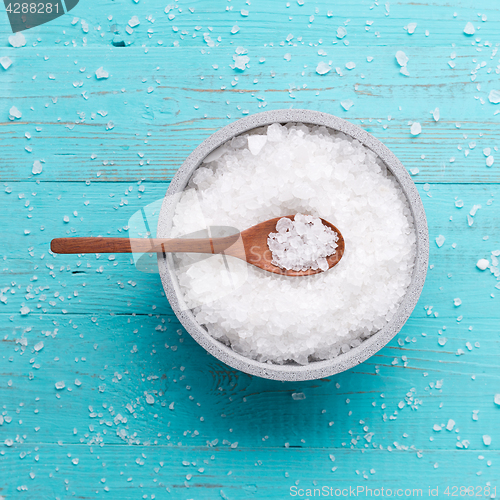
[[102, 393]]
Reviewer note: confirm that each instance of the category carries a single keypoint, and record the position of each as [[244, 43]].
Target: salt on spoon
[[319, 247]]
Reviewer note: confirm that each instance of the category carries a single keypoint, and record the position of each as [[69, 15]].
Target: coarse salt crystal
[[416, 128], [101, 73], [440, 240], [134, 21], [494, 96], [469, 29], [347, 104], [482, 264], [5, 62], [15, 113], [411, 28], [302, 244], [322, 68], [37, 167], [402, 58], [17, 40]]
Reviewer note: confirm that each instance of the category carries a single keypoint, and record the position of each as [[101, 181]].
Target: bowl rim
[[316, 369]]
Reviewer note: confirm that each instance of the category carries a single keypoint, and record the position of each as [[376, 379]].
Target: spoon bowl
[[249, 245]]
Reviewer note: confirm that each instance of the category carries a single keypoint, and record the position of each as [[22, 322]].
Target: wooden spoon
[[249, 245]]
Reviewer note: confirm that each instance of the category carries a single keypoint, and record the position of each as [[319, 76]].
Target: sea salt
[[440, 240], [341, 32], [101, 73], [37, 167], [14, 113], [402, 58], [302, 244], [6, 62], [17, 40], [347, 104], [494, 96], [322, 68], [416, 128], [280, 170], [411, 28], [469, 29], [482, 264]]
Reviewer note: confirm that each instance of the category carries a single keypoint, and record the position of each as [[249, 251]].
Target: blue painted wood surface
[[145, 412]]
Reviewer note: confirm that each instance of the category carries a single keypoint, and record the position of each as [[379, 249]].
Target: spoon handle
[[141, 245]]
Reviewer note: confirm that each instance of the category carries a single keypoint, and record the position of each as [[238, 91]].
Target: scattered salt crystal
[[25, 310], [235, 29], [450, 425], [486, 440], [134, 21], [494, 96], [469, 29], [5, 62], [298, 396], [322, 68], [240, 62], [60, 385], [497, 399], [17, 40], [101, 73], [486, 151], [350, 65], [457, 302], [416, 128], [435, 114], [437, 427], [341, 32], [490, 160], [459, 203], [347, 104], [483, 264], [287, 57], [38, 346], [369, 58], [404, 71], [37, 167], [14, 112], [474, 209], [75, 461], [411, 28], [402, 58], [150, 399], [440, 240]]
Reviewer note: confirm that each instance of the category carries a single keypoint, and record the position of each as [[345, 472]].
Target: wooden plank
[[116, 286], [267, 22], [239, 474], [154, 132]]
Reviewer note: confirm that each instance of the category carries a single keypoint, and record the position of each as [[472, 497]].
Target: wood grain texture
[[151, 415]]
